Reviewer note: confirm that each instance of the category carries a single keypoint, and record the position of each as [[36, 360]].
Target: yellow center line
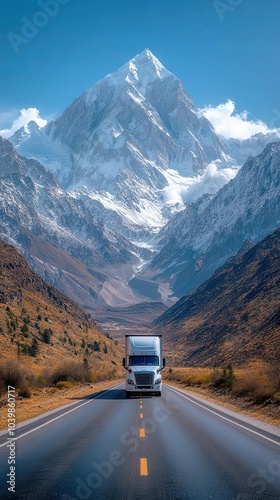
[[141, 415], [143, 467], [142, 433], [141, 406]]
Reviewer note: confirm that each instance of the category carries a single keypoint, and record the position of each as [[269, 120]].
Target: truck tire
[[159, 394]]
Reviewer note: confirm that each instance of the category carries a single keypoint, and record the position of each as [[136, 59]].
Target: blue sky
[[220, 49]]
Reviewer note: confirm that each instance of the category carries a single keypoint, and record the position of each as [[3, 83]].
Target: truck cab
[[143, 361]]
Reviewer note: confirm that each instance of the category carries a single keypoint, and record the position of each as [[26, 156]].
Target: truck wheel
[[159, 394], [127, 395]]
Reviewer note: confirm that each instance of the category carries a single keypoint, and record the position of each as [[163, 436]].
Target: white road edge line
[[224, 418], [59, 416]]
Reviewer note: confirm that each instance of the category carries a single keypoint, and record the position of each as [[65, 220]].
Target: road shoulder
[[226, 406]]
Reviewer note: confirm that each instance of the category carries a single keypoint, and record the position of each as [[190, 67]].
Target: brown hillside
[[31, 311], [234, 317]]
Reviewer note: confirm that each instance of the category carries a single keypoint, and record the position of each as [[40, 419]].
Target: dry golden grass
[[189, 376], [44, 400], [253, 390]]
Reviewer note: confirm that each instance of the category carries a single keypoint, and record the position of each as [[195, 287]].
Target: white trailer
[[143, 362]]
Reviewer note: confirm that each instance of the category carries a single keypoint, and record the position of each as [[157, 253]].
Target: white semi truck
[[143, 362]]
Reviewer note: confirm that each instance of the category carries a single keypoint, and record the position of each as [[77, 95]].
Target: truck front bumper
[[142, 389]]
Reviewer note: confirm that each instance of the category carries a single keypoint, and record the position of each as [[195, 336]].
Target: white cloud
[[190, 189], [26, 115], [228, 123], [209, 182]]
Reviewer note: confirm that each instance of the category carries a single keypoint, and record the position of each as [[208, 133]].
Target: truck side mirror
[[124, 365], [163, 365]]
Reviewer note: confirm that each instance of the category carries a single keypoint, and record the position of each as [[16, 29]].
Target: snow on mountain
[[59, 236], [120, 142], [241, 150], [24, 133], [199, 239]]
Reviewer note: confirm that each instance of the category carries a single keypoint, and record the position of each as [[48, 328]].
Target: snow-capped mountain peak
[[140, 71], [143, 70], [125, 140], [24, 133]]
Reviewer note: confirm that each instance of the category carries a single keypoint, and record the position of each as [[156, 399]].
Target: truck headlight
[[129, 381], [158, 380]]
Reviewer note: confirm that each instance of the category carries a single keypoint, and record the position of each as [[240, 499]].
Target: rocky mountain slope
[[202, 237], [42, 326], [58, 235], [234, 317]]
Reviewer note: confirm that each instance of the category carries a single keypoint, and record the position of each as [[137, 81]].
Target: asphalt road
[[109, 447]]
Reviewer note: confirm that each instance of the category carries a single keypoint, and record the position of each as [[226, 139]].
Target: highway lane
[[173, 447]]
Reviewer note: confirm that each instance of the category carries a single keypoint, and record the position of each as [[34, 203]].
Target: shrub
[[3, 388], [24, 329], [98, 376], [34, 348], [46, 335], [223, 379], [273, 370], [14, 324], [71, 371], [276, 397], [258, 388], [64, 385], [41, 381], [228, 376], [24, 392], [95, 346], [13, 374], [189, 376]]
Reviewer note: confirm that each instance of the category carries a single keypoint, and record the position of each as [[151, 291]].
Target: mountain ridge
[[114, 236], [233, 317], [200, 239], [38, 214]]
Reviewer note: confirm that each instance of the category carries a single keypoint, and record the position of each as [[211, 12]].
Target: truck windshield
[[143, 360]]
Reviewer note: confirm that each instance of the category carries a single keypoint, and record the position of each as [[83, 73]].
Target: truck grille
[[144, 378]]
